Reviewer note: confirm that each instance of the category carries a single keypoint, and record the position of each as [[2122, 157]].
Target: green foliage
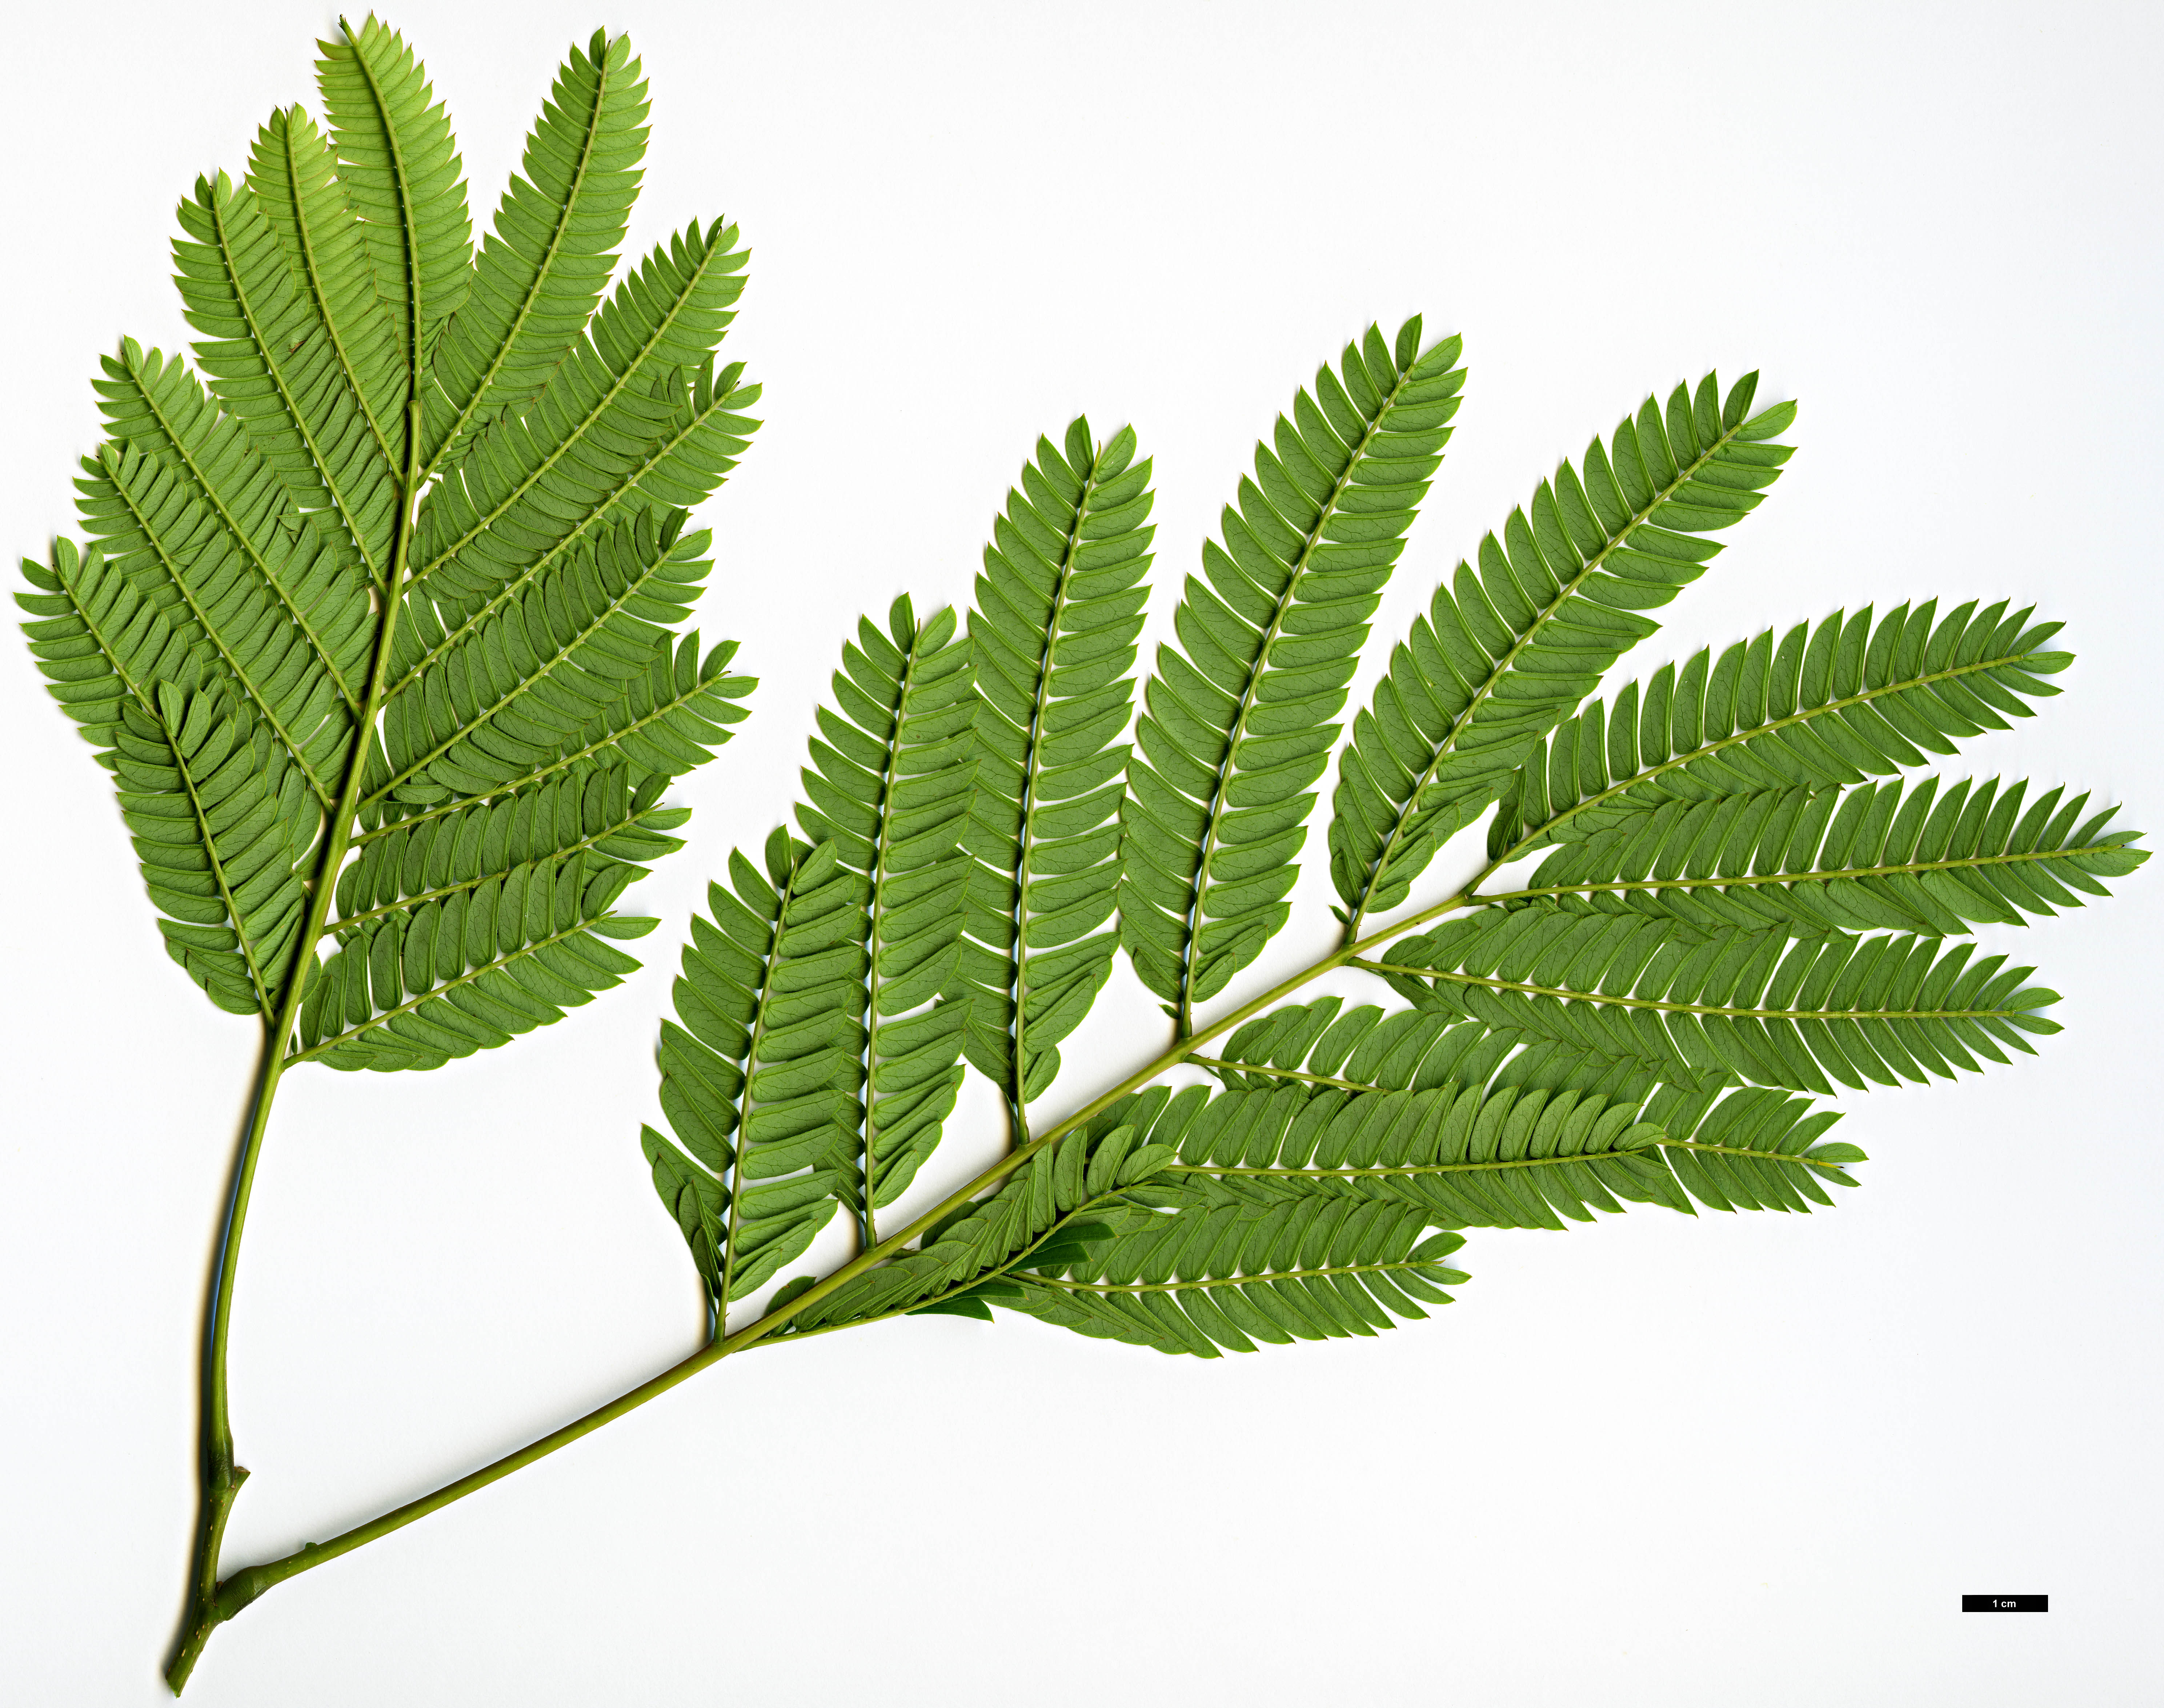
[[278, 563], [423, 984], [400, 171], [1365, 1049], [380, 631], [101, 643], [273, 373], [590, 810], [762, 1078], [1506, 652], [348, 379], [180, 501], [1733, 907], [540, 274], [892, 783], [634, 415], [1049, 1204], [1058, 606], [458, 933], [1237, 727]]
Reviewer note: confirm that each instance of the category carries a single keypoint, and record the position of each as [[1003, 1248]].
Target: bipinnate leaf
[[381, 631], [1507, 651], [1059, 607], [1236, 725], [219, 641]]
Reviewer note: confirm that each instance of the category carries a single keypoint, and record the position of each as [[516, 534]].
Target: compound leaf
[[527, 686], [1874, 856], [1507, 651], [219, 818], [890, 787], [1059, 607], [399, 165], [1695, 1004], [1237, 725], [1826, 705], [541, 272]]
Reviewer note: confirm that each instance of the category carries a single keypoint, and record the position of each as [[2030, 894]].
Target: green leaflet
[[158, 413], [275, 372], [890, 788], [292, 177], [183, 501], [667, 715], [399, 167], [593, 810], [761, 1080], [1213, 1270], [1049, 1205], [523, 687], [806, 1069], [1059, 607], [635, 404], [218, 818], [1877, 855], [101, 644], [1420, 1048], [1694, 1005], [1750, 1150], [416, 985], [1505, 653], [1831, 704], [1237, 720], [539, 276], [1518, 1158], [1378, 1109]]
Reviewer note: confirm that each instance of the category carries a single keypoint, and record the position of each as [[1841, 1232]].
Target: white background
[[1733, 1460]]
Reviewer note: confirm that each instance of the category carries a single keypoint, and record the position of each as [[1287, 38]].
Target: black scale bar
[[2006, 1604]]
